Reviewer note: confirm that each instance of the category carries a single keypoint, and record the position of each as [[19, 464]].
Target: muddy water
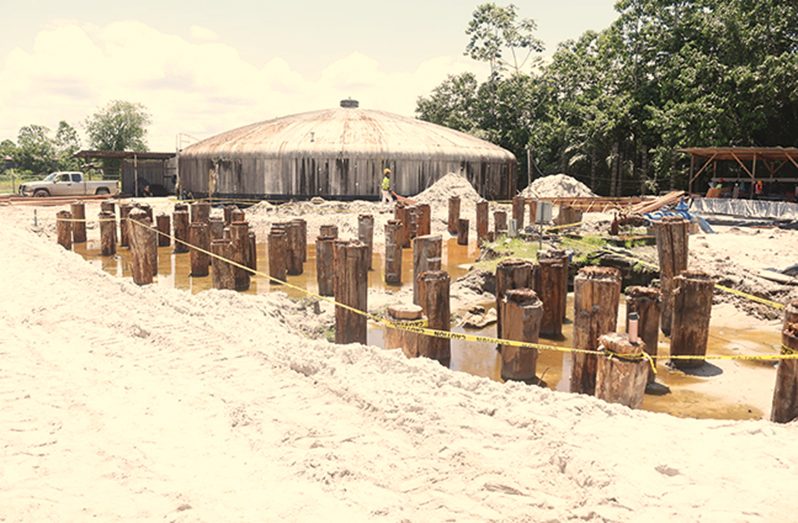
[[174, 269], [722, 389]]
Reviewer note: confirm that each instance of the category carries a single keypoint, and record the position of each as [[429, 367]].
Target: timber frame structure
[[772, 158]]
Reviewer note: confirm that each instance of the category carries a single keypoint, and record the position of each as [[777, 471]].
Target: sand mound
[[556, 186], [450, 185]]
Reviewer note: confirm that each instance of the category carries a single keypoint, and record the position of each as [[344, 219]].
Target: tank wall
[[336, 177]]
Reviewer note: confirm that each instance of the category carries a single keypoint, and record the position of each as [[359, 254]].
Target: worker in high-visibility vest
[[386, 186]]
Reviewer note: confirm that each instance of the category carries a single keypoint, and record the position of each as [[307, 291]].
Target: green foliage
[[612, 106], [495, 31], [119, 126]]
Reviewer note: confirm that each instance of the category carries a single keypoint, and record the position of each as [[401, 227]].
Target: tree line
[[612, 107], [118, 126]]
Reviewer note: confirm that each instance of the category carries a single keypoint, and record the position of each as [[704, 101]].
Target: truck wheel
[[41, 193], [103, 190]]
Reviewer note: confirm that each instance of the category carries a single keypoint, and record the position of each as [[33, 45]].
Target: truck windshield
[[50, 177]]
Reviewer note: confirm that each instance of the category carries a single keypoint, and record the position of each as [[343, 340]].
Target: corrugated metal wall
[[335, 178]]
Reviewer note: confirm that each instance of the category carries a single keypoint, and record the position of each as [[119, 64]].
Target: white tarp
[[746, 208]]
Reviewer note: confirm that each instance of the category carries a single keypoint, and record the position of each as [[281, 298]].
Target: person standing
[[386, 186]]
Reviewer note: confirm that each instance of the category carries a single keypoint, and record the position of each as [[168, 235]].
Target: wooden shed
[[340, 154]]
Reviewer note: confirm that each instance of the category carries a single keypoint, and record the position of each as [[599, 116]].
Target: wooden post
[[63, 229], [239, 237], [216, 228], [426, 257], [142, 242], [278, 254], [400, 214], [328, 231], [124, 211], [620, 376], [164, 226], [454, 213], [499, 222], [252, 258], [435, 304], [519, 204], [785, 393], [462, 232], [424, 220], [401, 339], [522, 312], [107, 234], [393, 253], [482, 221], [533, 211], [791, 312], [645, 302], [303, 240], [223, 276], [325, 273], [200, 212], [672, 238], [147, 208], [294, 230], [237, 215], [562, 256], [551, 282], [110, 207], [351, 289], [199, 236], [511, 274], [180, 222], [365, 233], [692, 307], [597, 291], [228, 214], [78, 227]]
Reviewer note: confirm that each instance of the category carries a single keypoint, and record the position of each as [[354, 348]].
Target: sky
[[204, 67]]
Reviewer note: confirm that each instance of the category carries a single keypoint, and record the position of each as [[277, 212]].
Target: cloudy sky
[[203, 67]]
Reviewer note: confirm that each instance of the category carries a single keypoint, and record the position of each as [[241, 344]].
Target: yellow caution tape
[[566, 226]]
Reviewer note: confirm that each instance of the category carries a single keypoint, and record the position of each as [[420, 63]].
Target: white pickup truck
[[63, 183]]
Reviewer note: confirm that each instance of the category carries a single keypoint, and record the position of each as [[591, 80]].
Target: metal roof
[[347, 132], [743, 154]]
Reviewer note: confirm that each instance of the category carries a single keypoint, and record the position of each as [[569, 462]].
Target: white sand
[[123, 403], [556, 186]]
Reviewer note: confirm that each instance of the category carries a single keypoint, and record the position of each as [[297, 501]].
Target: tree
[[67, 143], [495, 31], [36, 152], [119, 126], [452, 103]]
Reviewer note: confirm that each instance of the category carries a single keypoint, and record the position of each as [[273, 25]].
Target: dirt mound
[[556, 186], [450, 185]]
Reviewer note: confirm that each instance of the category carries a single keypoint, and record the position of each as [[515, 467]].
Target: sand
[[121, 403], [556, 186]]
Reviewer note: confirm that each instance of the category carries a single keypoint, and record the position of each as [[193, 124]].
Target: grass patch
[[506, 248], [584, 247]]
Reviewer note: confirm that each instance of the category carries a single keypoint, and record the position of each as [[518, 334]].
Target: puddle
[[722, 389]]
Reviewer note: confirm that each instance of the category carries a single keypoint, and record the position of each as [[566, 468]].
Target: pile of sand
[[557, 186], [450, 185]]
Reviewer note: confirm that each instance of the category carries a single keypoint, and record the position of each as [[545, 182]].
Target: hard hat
[[386, 171]]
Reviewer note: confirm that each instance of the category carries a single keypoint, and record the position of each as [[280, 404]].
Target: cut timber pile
[[672, 198]]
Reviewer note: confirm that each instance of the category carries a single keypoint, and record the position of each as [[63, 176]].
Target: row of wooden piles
[[459, 227], [227, 237]]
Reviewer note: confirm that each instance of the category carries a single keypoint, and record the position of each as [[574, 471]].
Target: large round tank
[[340, 154]]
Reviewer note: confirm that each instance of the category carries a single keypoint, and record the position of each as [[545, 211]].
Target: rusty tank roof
[[347, 131]]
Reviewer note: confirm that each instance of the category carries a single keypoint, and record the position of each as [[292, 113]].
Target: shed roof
[[743, 154], [347, 132]]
